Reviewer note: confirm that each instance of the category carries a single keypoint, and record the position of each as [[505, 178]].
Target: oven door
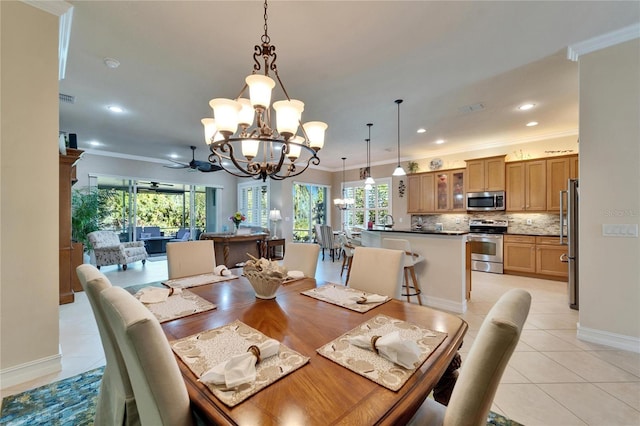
[[486, 252]]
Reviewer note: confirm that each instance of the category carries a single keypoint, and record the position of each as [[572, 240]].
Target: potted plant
[[86, 215], [412, 166]]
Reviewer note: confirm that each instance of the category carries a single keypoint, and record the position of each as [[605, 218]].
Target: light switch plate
[[620, 230]]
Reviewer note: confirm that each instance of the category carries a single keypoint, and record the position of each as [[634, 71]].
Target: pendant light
[[344, 202], [399, 171], [368, 182]]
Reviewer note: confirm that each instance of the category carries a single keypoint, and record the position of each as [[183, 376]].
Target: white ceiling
[[347, 60]]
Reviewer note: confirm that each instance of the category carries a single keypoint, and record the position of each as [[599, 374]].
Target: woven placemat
[[374, 367], [342, 296], [178, 306], [197, 280], [202, 351]]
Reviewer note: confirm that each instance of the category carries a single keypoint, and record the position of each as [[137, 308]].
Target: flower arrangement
[[237, 218]]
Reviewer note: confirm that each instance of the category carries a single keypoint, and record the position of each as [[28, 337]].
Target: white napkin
[[156, 294], [295, 274], [241, 368], [370, 298], [222, 271], [392, 347]]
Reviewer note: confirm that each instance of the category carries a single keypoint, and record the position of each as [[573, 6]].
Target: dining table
[[321, 392]]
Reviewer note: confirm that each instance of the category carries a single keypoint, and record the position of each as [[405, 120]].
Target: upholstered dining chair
[[482, 369], [301, 257], [189, 258], [116, 403], [160, 391], [411, 259], [347, 254], [377, 270], [327, 241]]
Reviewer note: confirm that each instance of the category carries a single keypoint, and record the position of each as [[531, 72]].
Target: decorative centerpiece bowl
[[265, 277]]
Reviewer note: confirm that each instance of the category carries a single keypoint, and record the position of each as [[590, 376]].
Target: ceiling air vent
[[67, 99], [471, 108]]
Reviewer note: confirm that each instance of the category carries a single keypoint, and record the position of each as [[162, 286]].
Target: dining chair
[[482, 369], [377, 270], [160, 391], [353, 240], [189, 258], [116, 403], [347, 254], [301, 257], [328, 241], [410, 260]]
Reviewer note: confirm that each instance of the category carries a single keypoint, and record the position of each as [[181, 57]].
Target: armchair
[[110, 251]]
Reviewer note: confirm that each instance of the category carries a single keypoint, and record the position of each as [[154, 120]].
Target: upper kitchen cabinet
[[450, 191], [526, 185], [485, 174], [559, 171], [421, 192]]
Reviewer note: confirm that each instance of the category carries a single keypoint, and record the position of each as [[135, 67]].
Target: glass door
[[309, 209]]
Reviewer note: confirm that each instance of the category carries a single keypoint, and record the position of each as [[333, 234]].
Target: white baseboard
[[445, 304], [618, 341], [31, 370]]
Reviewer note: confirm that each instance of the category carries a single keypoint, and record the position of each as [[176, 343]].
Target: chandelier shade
[[399, 171], [242, 138]]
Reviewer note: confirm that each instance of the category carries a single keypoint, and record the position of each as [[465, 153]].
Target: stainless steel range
[[486, 239]]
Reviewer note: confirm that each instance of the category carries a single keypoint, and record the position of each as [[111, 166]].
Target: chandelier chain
[[265, 37]]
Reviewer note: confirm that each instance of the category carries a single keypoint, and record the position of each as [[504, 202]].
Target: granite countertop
[[533, 234], [417, 231]]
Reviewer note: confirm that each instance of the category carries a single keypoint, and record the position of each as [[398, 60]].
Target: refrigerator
[[569, 237]]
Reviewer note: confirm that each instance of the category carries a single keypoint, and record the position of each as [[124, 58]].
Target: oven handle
[[490, 236]]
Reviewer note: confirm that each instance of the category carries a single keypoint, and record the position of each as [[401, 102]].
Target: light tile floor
[[552, 379]]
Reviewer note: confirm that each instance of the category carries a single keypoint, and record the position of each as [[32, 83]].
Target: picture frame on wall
[[364, 172]]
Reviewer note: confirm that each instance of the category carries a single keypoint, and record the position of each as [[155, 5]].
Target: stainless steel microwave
[[485, 201]]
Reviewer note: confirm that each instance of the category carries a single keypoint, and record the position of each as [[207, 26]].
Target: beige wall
[[610, 193], [29, 193]]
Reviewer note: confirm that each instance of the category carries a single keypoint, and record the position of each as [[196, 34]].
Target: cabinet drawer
[[527, 239], [550, 241]]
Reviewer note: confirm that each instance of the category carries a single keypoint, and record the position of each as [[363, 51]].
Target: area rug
[[72, 402]]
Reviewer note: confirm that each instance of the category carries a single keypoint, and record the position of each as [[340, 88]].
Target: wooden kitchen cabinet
[[526, 185], [485, 174], [421, 192], [519, 253], [449, 191], [548, 252], [573, 166], [558, 173]]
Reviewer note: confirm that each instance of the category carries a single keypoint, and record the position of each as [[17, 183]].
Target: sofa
[[110, 251]]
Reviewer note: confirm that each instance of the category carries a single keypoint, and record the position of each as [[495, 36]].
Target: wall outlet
[[400, 220], [457, 220], [529, 222]]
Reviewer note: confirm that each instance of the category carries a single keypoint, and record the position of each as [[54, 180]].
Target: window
[[371, 205], [309, 209], [253, 202]]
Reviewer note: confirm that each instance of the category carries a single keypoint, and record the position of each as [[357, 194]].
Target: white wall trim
[[607, 338], [57, 8], [603, 41], [31, 370], [445, 305]]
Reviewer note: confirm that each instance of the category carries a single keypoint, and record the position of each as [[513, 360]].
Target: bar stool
[[410, 260]]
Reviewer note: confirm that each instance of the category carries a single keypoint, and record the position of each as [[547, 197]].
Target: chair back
[[482, 369], [160, 391], [189, 258], [301, 257], [327, 240], [345, 244], [377, 270], [100, 239], [116, 403], [405, 246]]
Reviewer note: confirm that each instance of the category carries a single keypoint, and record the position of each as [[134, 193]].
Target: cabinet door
[[548, 260], [475, 176], [536, 185], [457, 191], [515, 182], [427, 199], [414, 191], [519, 257], [573, 169], [494, 174], [443, 189], [558, 172]]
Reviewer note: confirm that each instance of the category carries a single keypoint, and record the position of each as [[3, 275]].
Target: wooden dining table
[[321, 392]]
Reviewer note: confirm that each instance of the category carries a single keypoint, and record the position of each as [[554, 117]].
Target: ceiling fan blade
[[176, 165]]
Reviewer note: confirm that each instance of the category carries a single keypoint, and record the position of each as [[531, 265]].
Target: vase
[[235, 228]]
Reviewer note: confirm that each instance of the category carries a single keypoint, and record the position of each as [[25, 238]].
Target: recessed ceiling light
[[114, 108], [525, 107], [532, 123], [94, 143], [421, 130], [440, 141]]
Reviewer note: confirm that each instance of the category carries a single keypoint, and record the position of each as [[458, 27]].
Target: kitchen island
[[445, 276]]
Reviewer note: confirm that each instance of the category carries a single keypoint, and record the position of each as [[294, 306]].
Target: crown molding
[[55, 7], [631, 32]]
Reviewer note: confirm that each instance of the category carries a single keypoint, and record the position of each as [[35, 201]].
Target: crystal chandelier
[[344, 202], [369, 182], [257, 149]]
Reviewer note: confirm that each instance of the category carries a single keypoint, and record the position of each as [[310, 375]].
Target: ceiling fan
[[203, 166], [157, 187]]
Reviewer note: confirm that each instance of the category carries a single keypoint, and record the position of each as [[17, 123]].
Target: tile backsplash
[[541, 223]]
